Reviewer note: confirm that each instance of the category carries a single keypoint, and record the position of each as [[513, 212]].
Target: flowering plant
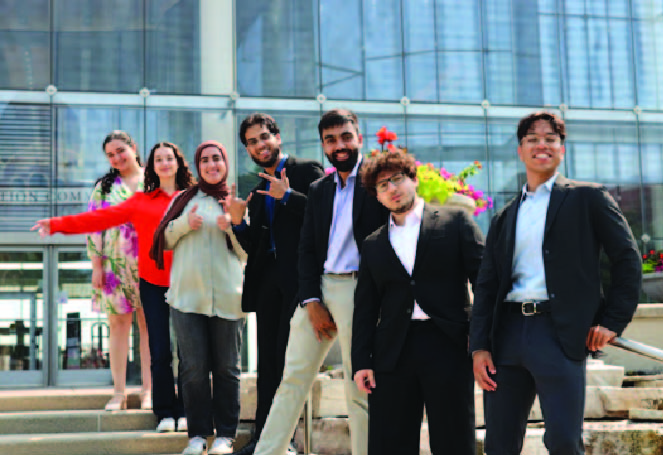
[[652, 262], [437, 185]]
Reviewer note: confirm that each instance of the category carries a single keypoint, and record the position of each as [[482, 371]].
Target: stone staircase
[[73, 422]]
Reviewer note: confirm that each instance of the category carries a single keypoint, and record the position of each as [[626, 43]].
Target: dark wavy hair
[[337, 117], [526, 123], [108, 179], [183, 179], [391, 161], [257, 118]]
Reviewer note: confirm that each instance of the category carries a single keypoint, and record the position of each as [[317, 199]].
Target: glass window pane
[[618, 8], [421, 77], [25, 45], [173, 31], [550, 65], [599, 63], [21, 311], [25, 165], [506, 172], [596, 7], [83, 335], [99, 45], [460, 77], [79, 133], [649, 65], [647, 9], [458, 25], [419, 25], [574, 6], [577, 58], [547, 6], [383, 49], [343, 65], [277, 47], [499, 78], [621, 66]]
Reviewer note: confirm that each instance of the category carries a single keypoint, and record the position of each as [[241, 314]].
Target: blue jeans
[[166, 402], [209, 344]]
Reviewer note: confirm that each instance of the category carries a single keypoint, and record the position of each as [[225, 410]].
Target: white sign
[[26, 196]]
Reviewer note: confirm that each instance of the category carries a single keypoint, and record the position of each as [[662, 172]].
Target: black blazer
[[448, 254], [367, 215], [286, 227], [582, 218]]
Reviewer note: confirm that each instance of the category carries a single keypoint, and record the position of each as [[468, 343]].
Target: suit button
[[412, 283], [547, 251], [552, 296], [409, 311]]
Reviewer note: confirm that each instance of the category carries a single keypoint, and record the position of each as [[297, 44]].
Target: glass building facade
[[450, 77]]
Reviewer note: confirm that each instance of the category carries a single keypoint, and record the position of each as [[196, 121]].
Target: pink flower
[[111, 281]]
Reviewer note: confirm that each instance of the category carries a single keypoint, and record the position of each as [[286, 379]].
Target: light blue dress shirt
[[342, 251], [528, 271]]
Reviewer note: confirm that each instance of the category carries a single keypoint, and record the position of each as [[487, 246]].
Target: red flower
[[385, 135], [391, 147]]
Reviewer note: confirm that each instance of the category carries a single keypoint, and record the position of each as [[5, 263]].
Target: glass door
[[23, 334]]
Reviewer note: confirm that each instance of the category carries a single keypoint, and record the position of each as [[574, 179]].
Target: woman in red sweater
[[166, 174]]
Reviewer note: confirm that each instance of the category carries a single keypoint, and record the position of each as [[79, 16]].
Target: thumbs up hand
[[195, 220]]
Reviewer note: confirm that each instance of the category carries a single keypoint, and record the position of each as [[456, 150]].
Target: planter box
[[652, 285]]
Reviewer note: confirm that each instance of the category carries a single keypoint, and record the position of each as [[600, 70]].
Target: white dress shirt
[[528, 271], [342, 251], [404, 241]]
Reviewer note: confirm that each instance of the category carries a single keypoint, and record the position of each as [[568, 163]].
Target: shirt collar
[[548, 185], [413, 218], [353, 174]]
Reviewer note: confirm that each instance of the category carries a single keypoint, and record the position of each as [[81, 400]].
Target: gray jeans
[[209, 344]]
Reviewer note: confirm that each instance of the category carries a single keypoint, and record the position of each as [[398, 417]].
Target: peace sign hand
[[235, 206], [277, 187]]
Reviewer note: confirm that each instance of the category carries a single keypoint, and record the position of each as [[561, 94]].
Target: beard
[[347, 165], [404, 207], [269, 162]]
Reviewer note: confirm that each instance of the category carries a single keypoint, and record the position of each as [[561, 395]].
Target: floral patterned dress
[[119, 248]]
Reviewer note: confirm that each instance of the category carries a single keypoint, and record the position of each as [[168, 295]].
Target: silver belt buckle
[[528, 308]]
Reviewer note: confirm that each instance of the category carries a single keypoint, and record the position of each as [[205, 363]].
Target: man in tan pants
[[339, 215]]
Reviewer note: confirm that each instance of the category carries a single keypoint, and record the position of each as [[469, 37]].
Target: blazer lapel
[[258, 202], [328, 191], [428, 222], [557, 196], [358, 200], [510, 227]]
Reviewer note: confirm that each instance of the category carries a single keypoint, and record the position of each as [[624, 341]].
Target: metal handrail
[[638, 348]]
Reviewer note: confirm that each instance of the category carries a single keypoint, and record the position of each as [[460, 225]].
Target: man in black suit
[[538, 305], [411, 316], [271, 238], [339, 215]]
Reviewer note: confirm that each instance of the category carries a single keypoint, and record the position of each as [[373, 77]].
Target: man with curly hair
[[411, 316]]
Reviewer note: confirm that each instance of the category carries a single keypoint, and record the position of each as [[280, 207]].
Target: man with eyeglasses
[[411, 317], [538, 304]]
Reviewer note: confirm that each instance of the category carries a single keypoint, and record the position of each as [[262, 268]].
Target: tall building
[[450, 77]]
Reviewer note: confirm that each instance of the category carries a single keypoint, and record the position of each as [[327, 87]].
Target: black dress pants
[[530, 361], [275, 306], [432, 371]]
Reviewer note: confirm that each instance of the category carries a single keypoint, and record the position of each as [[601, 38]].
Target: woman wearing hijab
[[205, 296]]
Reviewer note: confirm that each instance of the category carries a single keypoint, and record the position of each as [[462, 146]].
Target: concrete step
[[76, 421], [55, 399], [115, 443]]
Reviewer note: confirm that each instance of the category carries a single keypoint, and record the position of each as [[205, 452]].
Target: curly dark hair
[[108, 179], [556, 123], [257, 118], [183, 179], [393, 161], [337, 117]]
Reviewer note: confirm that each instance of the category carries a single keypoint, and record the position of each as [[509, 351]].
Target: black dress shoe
[[247, 449]]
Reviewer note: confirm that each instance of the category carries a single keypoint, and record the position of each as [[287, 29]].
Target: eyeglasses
[[396, 179]]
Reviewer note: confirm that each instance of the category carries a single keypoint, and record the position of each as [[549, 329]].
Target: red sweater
[[144, 211]]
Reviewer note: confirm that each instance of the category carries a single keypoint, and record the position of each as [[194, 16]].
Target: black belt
[[530, 307], [344, 275]]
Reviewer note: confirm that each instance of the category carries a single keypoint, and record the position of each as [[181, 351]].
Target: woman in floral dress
[[114, 256]]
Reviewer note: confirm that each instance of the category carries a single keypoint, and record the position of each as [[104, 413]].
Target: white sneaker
[[182, 425], [196, 446], [166, 425], [221, 446]]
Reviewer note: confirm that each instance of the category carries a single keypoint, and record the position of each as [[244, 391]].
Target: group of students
[[357, 255]]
